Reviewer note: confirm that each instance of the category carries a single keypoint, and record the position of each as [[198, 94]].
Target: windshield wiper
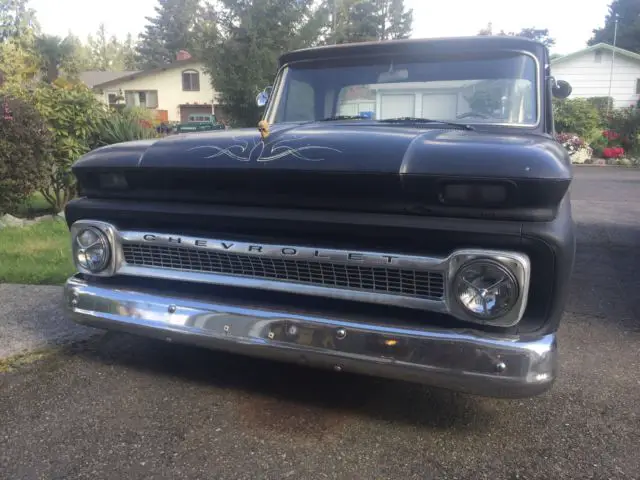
[[425, 120], [345, 117]]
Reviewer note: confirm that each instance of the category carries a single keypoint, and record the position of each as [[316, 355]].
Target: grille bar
[[385, 280]]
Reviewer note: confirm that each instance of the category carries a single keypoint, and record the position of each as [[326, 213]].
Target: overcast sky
[[569, 21]]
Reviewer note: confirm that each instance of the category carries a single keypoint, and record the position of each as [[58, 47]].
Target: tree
[[538, 34], [127, 54], [17, 20], [170, 31], [628, 37], [364, 23], [488, 30], [78, 58], [248, 38], [397, 22], [53, 51], [105, 51], [368, 20], [19, 64]]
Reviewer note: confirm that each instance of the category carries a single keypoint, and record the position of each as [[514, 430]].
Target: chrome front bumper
[[466, 361]]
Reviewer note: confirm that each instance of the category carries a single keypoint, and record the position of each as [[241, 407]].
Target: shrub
[[603, 105], [72, 113], [24, 147], [123, 126], [609, 145], [577, 116], [626, 123]]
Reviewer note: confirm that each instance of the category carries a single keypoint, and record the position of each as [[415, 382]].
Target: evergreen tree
[[538, 34], [368, 20], [78, 58], [250, 35], [628, 13], [365, 23], [104, 50], [397, 21], [128, 57], [171, 30], [17, 20]]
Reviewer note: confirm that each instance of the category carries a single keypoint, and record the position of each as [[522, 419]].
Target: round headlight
[[486, 289], [91, 249]]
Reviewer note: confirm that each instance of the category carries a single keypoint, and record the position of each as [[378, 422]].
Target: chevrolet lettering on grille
[[286, 251]]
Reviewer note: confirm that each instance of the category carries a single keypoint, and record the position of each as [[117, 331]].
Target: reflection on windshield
[[498, 90]]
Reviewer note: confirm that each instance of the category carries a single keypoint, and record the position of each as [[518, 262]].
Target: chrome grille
[[388, 280]]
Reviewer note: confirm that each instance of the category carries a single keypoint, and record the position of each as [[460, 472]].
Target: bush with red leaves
[[25, 145]]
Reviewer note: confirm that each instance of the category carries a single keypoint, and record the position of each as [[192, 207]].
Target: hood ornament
[[263, 128]]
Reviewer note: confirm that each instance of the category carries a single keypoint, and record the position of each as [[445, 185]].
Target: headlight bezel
[[518, 266], [107, 237]]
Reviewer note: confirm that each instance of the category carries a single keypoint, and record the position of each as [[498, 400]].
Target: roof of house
[[593, 48], [93, 78], [126, 76]]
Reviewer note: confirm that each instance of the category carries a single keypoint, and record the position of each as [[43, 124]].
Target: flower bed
[[579, 150], [613, 145]]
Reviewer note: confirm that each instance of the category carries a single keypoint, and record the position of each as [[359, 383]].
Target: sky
[[570, 22]]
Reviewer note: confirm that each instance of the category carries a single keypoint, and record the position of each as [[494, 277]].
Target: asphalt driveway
[[114, 406]]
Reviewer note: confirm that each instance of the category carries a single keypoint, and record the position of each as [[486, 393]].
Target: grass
[[16, 361], [37, 254]]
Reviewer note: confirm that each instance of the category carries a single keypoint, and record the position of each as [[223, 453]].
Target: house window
[[141, 98], [598, 56], [638, 86], [190, 81], [113, 99]]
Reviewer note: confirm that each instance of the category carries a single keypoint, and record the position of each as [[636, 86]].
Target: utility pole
[[333, 21], [613, 59]]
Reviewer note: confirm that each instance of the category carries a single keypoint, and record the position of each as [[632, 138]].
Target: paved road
[[119, 407]]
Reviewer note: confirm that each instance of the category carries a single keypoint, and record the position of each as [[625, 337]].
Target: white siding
[[589, 78]]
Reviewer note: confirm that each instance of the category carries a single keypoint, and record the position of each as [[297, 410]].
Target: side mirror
[[561, 89], [263, 97]]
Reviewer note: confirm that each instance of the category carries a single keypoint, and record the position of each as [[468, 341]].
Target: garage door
[[356, 108], [439, 106], [186, 110], [393, 106]]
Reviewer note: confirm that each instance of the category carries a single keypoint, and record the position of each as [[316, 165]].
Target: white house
[[173, 91], [589, 72]]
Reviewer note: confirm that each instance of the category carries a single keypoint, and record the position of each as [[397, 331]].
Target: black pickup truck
[[402, 211]]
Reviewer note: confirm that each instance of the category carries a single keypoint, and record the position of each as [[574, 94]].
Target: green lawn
[[38, 254]]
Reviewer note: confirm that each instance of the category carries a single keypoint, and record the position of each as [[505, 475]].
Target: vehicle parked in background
[[199, 123]]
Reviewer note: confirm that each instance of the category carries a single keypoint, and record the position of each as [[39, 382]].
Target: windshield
[[489, 90]]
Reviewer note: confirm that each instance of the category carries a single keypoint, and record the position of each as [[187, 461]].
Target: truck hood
[[353, 164], [346, 147]]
